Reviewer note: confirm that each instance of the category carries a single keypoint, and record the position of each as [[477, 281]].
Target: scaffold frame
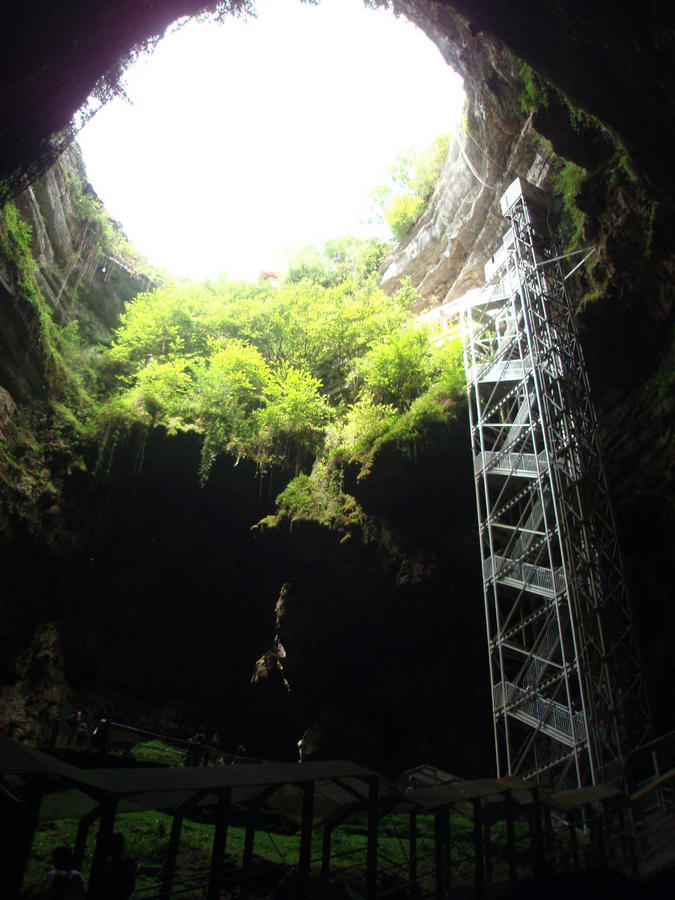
[[567, 689]]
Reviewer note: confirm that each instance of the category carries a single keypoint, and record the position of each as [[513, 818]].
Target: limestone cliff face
[[626, 324], [72, 273], [445, 253], [67, 246], [157, 582], [39, 692]]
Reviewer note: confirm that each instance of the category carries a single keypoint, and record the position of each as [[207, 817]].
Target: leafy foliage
[[342, 259], [250, 366], [65, 367], [436, 378], [411, 182], [319, 497], [323, 369], [398, 369], [63, 414], [290, 376], [292, 418]]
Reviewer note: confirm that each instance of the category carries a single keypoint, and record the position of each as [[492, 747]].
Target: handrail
[[652, 785], [653, 744]]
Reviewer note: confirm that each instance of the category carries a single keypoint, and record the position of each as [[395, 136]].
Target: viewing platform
[[539, 580], [535, 710], [524, 465]]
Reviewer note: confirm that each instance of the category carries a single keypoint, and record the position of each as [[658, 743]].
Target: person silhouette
[[63, 882], [120, 870]]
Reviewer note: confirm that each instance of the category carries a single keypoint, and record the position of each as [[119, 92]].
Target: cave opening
[[163, 581], [112, 567], [240, 140]]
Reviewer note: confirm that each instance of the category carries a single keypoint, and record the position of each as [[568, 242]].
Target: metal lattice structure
[[567, 691]]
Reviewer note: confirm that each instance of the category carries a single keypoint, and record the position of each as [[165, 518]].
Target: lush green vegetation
[[411, 182], [59, 345], [314, 371], [342, 259], [303, 377], [567, 177], [602, 196], [323, 369], [66, 371], [66, 411], [276, 849]]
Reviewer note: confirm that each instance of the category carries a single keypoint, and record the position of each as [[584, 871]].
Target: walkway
[[35, 787]]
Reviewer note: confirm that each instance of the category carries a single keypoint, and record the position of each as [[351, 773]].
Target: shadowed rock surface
[[163, 598]]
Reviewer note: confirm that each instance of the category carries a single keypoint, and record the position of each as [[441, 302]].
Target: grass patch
[[275, 853]]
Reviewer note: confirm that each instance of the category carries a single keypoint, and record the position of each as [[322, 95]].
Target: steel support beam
[[171, 855], [371, 853], [219, 845], [108, 809], [567, 691], [305, 854]]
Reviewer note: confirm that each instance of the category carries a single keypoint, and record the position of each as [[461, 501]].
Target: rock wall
[[155, 582], [71, 270], [458, 232], [445, 252], [75, 279], [626, 325]]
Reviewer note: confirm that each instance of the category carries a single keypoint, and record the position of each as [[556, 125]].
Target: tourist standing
[[63, 882], [120, 870]]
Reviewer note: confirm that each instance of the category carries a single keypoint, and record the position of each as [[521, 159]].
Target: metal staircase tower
[[567, 691]]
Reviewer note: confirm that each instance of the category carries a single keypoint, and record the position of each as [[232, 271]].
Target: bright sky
[[247, 138]]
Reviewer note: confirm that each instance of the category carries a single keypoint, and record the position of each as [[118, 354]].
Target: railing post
[[105, 828], [22, 817], [325, 859], [171, 854], [510, 838], [305, 840], [371, 860], [440, 822], [247, 856], [478, 847], [82, 834], [219, 844], [412, 848]]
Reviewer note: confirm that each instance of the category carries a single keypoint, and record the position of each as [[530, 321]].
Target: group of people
[[82, 736], [200, 750], [65, 882]]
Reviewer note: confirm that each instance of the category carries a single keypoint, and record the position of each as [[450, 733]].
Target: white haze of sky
[[250, 137]]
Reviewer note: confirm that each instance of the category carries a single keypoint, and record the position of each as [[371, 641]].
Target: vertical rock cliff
[[152, 580]]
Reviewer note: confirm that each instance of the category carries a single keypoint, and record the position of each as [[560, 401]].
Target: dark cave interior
[[149, 576]]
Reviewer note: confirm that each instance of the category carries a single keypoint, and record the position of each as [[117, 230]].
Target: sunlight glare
[[250, 137]]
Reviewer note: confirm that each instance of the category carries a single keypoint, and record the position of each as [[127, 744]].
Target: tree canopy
[[283, 375], [412, 178]]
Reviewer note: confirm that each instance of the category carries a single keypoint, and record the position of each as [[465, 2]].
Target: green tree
[[346, 258], [230, 387], [357, 259], [397, 370], [263, 372], [293, 419], [411, 182]]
